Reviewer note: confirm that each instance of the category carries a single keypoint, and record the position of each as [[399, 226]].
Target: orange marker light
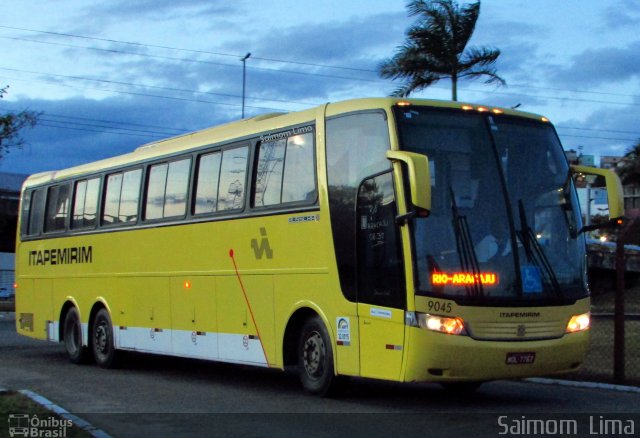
[[497, 111], [403, 103], [467, 107], [187, 284], [544, 119], [482, 109]]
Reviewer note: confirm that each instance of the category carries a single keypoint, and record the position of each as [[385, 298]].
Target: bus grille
[[516, 331]]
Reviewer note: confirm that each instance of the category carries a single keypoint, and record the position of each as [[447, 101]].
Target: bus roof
[[240, 129]]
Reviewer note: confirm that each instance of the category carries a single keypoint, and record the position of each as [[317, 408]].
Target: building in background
[[10, 185], [610, 161]]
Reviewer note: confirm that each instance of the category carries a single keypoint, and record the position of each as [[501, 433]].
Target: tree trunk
[[454, 88]]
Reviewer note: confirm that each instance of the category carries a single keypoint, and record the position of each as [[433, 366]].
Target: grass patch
[[15, 406]]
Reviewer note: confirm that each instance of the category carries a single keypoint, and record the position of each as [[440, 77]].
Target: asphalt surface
[[166, 396]]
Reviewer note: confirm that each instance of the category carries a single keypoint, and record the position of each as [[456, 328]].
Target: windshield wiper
[[466, 251], [534, 251]]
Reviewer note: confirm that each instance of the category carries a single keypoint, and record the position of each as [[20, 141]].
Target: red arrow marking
[[246, 299]]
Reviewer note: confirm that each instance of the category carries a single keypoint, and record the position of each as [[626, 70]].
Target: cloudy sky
[[110, 75]]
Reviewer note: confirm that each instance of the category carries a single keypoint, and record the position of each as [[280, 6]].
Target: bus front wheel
[[315, 359], [104, 351], [72, 337]]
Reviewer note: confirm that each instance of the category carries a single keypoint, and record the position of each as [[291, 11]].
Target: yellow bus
[[404, 240]]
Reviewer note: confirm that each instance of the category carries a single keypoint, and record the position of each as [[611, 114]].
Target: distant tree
[[11, 124], [436, 48], [630, 170]]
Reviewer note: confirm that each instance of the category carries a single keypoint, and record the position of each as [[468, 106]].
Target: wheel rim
[[313, 355], [101, 338]]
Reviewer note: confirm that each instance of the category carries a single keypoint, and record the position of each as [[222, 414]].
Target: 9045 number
[[439, 306]]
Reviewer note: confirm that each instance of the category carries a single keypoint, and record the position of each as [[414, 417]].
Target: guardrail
[[603, 255], [7, 306]]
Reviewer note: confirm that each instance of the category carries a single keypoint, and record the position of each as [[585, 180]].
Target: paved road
[[177, 397]]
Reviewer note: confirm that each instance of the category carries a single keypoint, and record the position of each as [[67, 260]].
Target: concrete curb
[[579, 384], [77, 421]]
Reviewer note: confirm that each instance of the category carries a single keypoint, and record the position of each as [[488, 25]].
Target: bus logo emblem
[[522, 330], [263, 248]]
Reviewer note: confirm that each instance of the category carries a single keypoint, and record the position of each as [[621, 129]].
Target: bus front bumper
[[440, 357]]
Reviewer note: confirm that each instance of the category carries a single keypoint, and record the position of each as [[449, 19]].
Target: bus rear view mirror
[[419, 179], [605, 182]]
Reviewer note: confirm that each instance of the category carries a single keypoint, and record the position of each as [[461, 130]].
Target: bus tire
[[102, 345], [72, 337], [315, 359]]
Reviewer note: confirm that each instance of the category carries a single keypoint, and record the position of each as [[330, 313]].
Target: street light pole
[[244, 78]]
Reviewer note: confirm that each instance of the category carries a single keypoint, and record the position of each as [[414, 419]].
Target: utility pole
[[244, 78]]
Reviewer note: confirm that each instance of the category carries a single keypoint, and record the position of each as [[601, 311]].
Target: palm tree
[[630, 170], [435, 48]]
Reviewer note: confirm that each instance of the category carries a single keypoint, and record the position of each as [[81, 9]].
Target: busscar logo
[[263, 248]]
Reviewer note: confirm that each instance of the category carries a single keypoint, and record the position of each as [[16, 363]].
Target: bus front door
[[381, 284]]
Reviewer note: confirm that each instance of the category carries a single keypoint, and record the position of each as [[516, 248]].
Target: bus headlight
[[578, 323], [436, 323]]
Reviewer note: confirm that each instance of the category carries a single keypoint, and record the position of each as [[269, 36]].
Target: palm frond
[[436, 47]]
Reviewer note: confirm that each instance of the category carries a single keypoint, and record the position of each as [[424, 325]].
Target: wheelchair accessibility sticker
[[531, 279]]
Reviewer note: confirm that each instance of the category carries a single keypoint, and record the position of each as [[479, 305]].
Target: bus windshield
[[503, 228]]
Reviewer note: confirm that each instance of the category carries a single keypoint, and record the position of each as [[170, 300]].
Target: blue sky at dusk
[[112, 75]]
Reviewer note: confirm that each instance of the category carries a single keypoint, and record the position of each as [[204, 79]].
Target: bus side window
[[33, 212], [155, 191], [285, 171], [268, 181], [206, 199], [112, 199], [24, 213], [167, 189], [122, 197], [85, 204], [57, 208], [130, 196], [380, 261], [232, 178], [299, 182], [175, 198]]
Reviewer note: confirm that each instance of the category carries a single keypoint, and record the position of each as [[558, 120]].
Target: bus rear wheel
[[315, 359], [104, 351], [72, 337]]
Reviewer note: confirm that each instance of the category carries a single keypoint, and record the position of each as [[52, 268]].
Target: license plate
[[520, 358]]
